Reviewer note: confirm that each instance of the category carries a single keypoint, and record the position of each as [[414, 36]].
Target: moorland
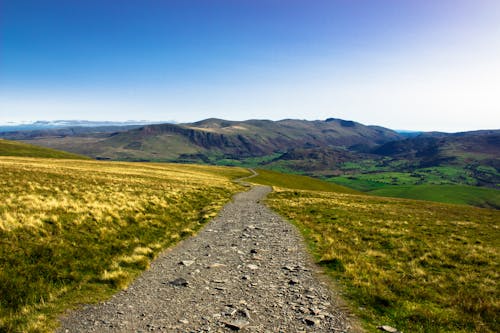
[[76, 231], [420, 266], [417, 265], [460, 168]]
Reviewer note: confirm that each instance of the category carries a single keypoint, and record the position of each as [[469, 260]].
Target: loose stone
[[179, 282]]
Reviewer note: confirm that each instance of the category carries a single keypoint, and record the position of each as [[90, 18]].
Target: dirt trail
[[247, 271]]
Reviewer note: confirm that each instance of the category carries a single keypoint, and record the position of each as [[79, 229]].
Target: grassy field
[[74, 232], [273, 178], [418, 266], [14, 148], [429, 176], [440, 184], [457, 194]]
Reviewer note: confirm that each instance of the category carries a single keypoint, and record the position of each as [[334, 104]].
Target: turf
[[415, 265], [273, 178], [13, 148], [457, 194], [74, 232]]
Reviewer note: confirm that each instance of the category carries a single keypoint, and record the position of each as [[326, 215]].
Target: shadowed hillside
[[212, 139]]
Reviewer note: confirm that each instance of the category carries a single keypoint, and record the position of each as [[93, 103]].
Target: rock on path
[[246, 271]]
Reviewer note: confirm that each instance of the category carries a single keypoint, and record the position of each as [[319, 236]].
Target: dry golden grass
[[70, 230], [415, 265]]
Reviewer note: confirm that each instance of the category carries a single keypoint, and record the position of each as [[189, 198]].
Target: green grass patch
[[457, 194], [74, 232], [249, 162], [13, 148], [357, 183], [273, 178], [448, 184], [418, 266]]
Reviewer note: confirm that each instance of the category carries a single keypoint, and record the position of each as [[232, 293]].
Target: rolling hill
[[210, 139], [428, 267], [415, 265], [77, 231], [13, 148], [366, 158]]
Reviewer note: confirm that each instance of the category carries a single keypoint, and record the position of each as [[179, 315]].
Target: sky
[[404, 64]]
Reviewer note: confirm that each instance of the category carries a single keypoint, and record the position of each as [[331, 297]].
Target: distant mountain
[[211, 138], [54, 124], [42, 133], [432, 149], [330, 148], [409, 134]]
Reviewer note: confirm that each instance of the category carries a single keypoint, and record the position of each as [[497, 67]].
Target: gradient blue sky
[[403, 64]]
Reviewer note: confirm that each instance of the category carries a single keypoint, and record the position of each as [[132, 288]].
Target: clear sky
[[403, 64]]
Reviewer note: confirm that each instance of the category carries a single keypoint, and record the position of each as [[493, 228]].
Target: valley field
[[415, 265], [73, 232]]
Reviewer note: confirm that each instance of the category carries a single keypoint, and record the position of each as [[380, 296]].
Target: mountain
[[434, 149], [365, 158], [211, 139], [52, 124]]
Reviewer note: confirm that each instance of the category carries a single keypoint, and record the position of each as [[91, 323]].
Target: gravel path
[[247, 271]]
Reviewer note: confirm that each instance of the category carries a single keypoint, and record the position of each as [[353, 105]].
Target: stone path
[[246, 271]]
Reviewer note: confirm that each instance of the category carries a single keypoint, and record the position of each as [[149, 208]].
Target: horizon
[[413, 65]]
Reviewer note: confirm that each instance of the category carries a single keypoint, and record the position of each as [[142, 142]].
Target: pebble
[[387, 328], [179, 282], [236, 325], [187, 263]]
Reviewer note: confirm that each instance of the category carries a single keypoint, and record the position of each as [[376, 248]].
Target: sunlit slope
[[459, 194], [273, 178], [415, 265], [13, 148], [75, 231]]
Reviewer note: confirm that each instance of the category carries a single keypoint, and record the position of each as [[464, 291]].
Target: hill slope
[[12, 148], [414, 265], [73, 232], [345, 152], [214, 138]]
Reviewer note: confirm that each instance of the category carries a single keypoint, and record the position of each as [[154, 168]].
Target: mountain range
[[324, 148], [207, 138]]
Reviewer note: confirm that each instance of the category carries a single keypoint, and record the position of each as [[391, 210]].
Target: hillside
[[414, 265], [457, 194], [12, 148], [366, 158], [454, 148], [75, 232], [211, 139], [411, 167]]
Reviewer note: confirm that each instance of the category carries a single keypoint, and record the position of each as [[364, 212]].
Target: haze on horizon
[[415, 65]]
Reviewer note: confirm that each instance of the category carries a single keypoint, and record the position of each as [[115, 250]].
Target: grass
[[74, 232], [418, 266], [432, 176], [457, 194], [13, 148], [249, 162], [273, 178], [448, 184]]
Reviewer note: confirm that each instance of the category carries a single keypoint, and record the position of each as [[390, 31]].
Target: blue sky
[[413, 64]]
